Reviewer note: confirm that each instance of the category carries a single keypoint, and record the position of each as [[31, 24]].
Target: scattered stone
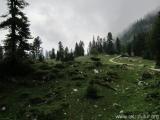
[[116, 105], [3, 108], [75, 90], [96, 106], [121, 112], [127, 88], [142, 83], [96, 71], [99, 115]]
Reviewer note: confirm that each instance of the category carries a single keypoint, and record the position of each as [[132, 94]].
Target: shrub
[[91, 92], [95, 59], [146, 75], [60, 66], [40, 74]]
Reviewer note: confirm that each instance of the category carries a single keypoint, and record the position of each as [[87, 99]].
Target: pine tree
[[60, 52], [1, 52], [155, 40], [66, 54], [36, 47], [129, 49], [16, 43], [118, 46], [76, 51], [52, 54], [110, 45]]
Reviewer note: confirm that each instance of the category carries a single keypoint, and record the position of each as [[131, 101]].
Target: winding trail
[[119, 63]]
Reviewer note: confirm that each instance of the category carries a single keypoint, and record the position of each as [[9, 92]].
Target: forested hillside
[[140, 26]]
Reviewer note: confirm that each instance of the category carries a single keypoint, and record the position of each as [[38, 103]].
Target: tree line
[[105, 45]]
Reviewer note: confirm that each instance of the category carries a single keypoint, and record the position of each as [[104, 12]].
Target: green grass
[[63, 102]]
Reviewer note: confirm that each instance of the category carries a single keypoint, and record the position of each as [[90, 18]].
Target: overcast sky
[[73, 20]]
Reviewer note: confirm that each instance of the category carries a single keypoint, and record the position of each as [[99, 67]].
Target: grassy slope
[[65, 103]]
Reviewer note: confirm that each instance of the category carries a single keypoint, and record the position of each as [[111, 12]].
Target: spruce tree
[[110, 45], [155, 40], [36, 48], [1, 52], [60, 52], [16, 43], [118, 46], [52, 54]]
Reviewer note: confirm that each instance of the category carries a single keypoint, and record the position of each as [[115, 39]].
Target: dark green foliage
[[8, 69], [36, 101], [155, 40], [60, 52], [91, 91], [95, 59], [36, 48], [139, 44], [79, 49], [146, 75], [141, 26], [16, 43], [52, 54], [118, 46], [153, 96], [64, 54], [129, 49], [102, 45], [1, 52], [110, 45]]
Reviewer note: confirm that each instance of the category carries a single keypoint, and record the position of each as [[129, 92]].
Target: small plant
[[91, 92], [146, 75]]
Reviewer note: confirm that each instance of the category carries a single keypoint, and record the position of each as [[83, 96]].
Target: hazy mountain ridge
[[142, 25]]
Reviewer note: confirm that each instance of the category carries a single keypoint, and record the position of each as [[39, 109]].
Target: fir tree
[[1, 52], [118, 46], [16, 43], [36, 48], [52, 54], [155, 40]]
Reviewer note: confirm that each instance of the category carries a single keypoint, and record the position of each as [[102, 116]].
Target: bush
[[146, 75], [40, 74], [95, 59], [60, 66], [91, 92], [8, 69]]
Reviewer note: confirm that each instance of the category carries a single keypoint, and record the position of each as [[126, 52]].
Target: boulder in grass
[[4, 108]]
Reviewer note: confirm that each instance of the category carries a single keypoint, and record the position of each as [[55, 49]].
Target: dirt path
[[119, 63]]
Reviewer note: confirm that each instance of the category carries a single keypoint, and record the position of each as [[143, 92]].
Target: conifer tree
[[118, 46], [110, 45], [1, 52], [60, 52], [16, 43], [155, 40], [36, 47], [52, 54]]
